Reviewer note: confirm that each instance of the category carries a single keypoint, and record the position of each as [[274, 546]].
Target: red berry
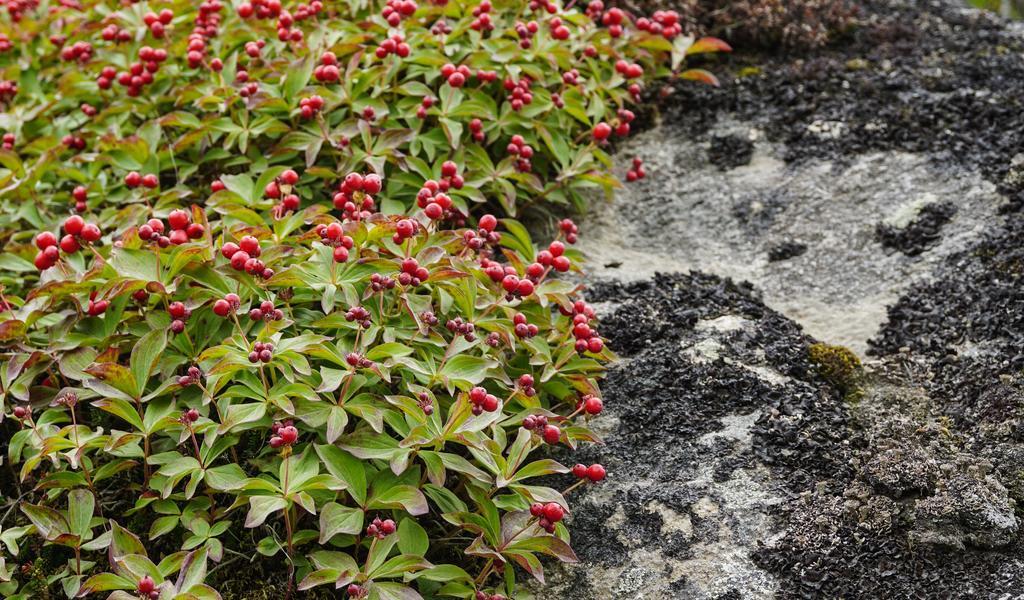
[[74, 225], [178, 219], [552, 433], [488, 222], [593, 405], [580, 471], [250, 245], [69, 244], [601, 131], [91, 233], [221, 308], [596, 473], [553, 512], [45, 239]]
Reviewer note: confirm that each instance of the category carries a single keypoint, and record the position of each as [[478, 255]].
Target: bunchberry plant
[[264, 297]]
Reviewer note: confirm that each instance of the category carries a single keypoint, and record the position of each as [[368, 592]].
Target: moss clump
[[839, 366]]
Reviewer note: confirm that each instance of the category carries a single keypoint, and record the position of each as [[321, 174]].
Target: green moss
[[839, 366]]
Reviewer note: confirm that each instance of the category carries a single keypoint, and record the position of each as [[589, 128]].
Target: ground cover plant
[[266, 301]]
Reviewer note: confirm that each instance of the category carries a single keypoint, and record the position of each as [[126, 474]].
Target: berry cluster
[[80, 51], [188, 416], [158, 23], [394, 10], [333, 235], [73, 142], [519, 91], [113, 33], [380, 529], [266, 312], [8, 141], [393, 45], [243, 257], [587, 339], [460, 327], [547, 515], [380, 283], [191, 376], [554, 257], [309, 107], [76, 233], [629, 70], [626, 117], [263, 9], [612, 19], [522, 328], [558, 30], [359, 315], [96, 307], [207, 22], [405, 229], [355, 195], [525, 31], [283, 434], [484, 234], [519, 148], [412, 273], [476, 127], [354, 359], [481, 595], [637, 172], [285, 33], [327, 71], [547, 5], [455, 76], [436, 204], [441, 27], [570, 229], [662, 22], [539, 424], [594, 472], [482, 401], [450, 177], [482, 17], [261, 352], [425, 403], [526, 384], [281, 188], [227, 305], [179, 313], [8, 89], [139, 74]]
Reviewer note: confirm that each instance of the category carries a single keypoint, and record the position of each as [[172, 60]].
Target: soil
[[868, 194]]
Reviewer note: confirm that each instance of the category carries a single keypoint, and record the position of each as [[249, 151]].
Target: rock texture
[[868, 195]]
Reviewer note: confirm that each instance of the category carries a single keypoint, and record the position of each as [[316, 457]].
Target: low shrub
[[255, 308]]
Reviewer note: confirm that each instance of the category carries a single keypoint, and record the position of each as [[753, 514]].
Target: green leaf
[[401, 496], [347, 468], [297, 77], [145, 355], [50, 523], [260, 507], [412, 539], [335, 519], [81, 503], [116, 376], [240, 414]]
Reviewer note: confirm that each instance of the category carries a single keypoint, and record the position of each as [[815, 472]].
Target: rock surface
[[871, 195]]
